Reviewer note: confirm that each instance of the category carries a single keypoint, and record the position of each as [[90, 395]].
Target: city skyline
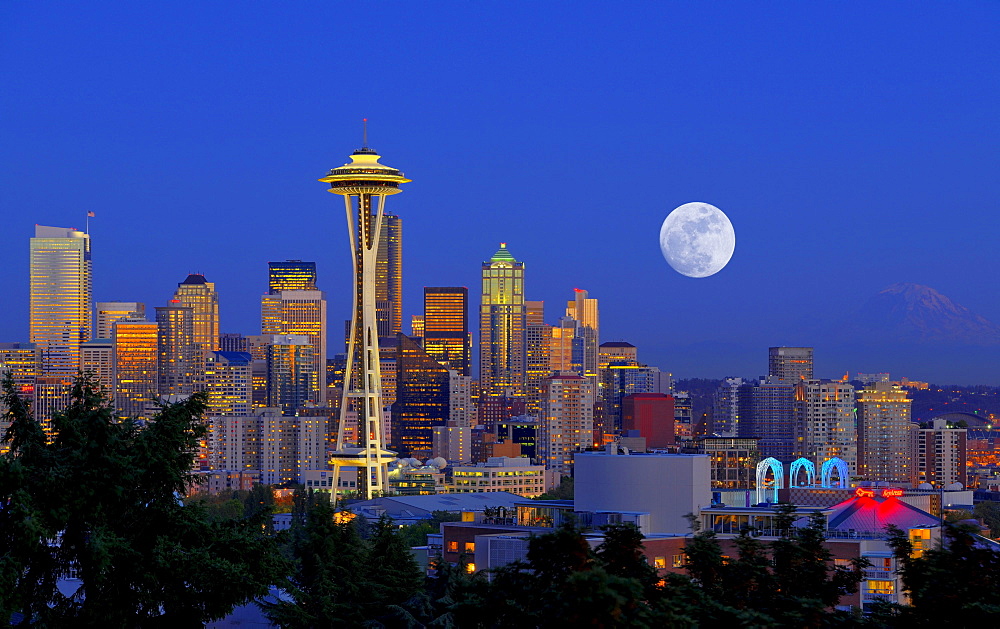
[[839, 187]]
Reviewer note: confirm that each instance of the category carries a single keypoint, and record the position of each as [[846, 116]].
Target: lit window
[[659, 562], [470, 547]]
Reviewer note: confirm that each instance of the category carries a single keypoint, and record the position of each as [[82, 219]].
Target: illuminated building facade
[[23, 362], [501, 325], [110, 311], [884, 426], [291, 373], [180, 363], [197, 293], [60, 313], [726, 408], [500, 473], [20, 361], [417, 326], [389, 277], [583, 310], [790, 364], [446, 327], [567, 422], [537, 353], [52, 394], [303, 313], [136, 357], [422, 399], [939, 455], [228, 384], [733, 461], [98, 358], [461, 410], [364, 183], [291, 275], [825, 423]]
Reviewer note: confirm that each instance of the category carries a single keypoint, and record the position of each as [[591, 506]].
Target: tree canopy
[[102, 501]]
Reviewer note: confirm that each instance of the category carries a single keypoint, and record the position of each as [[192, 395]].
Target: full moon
[[697, 239]]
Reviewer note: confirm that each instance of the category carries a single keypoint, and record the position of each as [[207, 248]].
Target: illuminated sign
[[862, 492]]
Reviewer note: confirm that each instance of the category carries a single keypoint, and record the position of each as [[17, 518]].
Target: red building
[[652, 414]]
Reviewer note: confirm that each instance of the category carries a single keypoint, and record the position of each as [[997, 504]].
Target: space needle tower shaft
[[364, 183]]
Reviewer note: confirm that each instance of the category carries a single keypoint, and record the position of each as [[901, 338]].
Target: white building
[[500, 473], [567, 422], [667, 487]]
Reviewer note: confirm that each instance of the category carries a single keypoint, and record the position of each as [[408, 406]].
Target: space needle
[[364, 183]]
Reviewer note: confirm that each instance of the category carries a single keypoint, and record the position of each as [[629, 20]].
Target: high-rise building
[[291, 373], [291, 275], [23, 362], [60, 314], [452, 443], [501, 325], [564, 352], [583, 310], [734, 461], [567, 422], [110, 311], [422, 399], [767, 413], [884, 426], [98, 358], [180, 365], [136, 358], [389, 277], [197, 293], [299, 312], [446, 327], [790, 364], [825, 424], [364, 183], [461, 410], [726, 408], [939, 454], [537, 353], [233, 342], [228, 384]]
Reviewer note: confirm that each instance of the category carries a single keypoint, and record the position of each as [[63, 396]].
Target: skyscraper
[[884, 426], [389, 277], [767, 411], [180, 363], [197, 293], [501, 325], [567, 422], [291, 372], [584, 311], [291, 275], [364, 183], [446, 327], [136, 357], [422, 399], [299, 312], [537, 354], [110, 311], [790, 364], [825, 425], [60, 314]]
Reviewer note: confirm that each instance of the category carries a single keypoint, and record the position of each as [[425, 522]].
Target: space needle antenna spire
[[365, 139], [364, 183]]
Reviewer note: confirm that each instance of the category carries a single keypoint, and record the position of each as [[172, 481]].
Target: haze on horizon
[[852, 147]]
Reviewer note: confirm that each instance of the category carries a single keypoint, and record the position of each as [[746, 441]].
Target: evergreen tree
[[393, 574], [957, 583], [103, 501]]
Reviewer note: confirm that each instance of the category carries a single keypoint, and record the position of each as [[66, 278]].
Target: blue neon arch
[[843, 476], [777, 470], [799, 464]]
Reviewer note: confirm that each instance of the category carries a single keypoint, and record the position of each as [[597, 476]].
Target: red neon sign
[[862, 492]]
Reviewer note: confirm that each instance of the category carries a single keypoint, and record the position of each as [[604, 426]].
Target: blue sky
[[852, 146]]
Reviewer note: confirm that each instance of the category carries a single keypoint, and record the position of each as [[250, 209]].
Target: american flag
[[90, 214]]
